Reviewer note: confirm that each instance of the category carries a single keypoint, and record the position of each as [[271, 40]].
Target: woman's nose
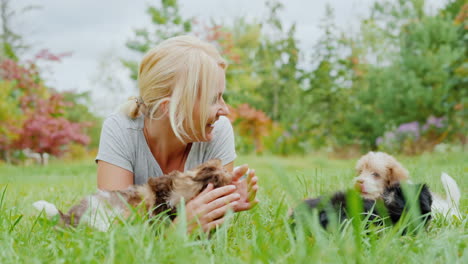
[[224, 109]]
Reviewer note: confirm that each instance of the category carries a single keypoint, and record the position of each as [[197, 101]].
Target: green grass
[[258, 236]]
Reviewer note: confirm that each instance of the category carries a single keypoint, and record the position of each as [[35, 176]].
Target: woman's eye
[[375, 174]]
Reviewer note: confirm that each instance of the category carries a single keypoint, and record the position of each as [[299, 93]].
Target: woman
[[178, 122]]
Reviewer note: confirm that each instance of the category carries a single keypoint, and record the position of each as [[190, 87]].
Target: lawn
[[259, 236]]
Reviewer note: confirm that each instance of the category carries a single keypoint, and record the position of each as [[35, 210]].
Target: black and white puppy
[[378, 170], [396, 200]]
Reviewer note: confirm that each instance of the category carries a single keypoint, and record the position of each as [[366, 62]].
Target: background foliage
[[347, 93], [37, 120], [404, 65]]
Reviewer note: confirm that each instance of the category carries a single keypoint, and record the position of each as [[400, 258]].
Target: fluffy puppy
[[378, 170], [158, 195], [394, 202]]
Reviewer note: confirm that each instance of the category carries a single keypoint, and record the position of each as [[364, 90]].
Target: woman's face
[[217, 108]]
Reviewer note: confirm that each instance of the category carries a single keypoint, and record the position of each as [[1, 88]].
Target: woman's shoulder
[[120, 130], [119, 120]]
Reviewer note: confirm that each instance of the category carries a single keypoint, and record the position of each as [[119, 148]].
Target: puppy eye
[[375, 174]]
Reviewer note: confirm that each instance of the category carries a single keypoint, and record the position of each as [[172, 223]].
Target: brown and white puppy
[[379, 170], [376, 171], [159, 194]]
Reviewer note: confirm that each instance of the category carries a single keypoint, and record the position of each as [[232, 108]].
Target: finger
[[242, 207], [245, 206], [254, 203], [238, 172], [213, 224], [219, 212], [222, 201], [252, 182], [208, 188], [252, 193], [216, 193], [251, 175]]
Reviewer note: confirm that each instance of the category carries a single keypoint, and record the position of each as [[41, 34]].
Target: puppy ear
[[205, 173], [396, 172], [212, 163], [425, 201], [163, 185], [360, 162], [211, 172]]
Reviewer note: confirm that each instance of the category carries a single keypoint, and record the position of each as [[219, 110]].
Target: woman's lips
[[212, 124]]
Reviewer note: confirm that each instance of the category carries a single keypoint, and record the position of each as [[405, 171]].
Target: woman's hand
[[247, 188], [207, 210]]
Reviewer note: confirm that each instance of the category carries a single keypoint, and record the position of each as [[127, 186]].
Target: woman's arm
[[111, 177]]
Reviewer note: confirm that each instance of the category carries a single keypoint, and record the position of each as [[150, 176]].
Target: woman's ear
[[164, 107]]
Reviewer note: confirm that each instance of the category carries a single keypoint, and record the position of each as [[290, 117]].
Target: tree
[[416, 79], [166, 22], [328, 94], [38, 118], [239, 45], [251, 124], [46, 130], [12, 42], [11, 119], [277, 64], [77, 111]]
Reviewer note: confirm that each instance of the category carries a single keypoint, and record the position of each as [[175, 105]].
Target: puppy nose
[[358, 186]]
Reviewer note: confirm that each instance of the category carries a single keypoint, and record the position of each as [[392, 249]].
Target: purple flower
[[433, 121], [379, 141], [389, 135], [388, 141], [411, 128]]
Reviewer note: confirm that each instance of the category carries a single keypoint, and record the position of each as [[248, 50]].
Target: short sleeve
[[113, 144], [222, 146]]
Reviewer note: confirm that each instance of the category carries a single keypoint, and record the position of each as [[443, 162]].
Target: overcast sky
[[95, 31]]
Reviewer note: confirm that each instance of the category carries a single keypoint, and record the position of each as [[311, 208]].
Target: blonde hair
[[180, 70]]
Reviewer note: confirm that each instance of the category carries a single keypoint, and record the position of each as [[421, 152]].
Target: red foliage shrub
[[251, 123]]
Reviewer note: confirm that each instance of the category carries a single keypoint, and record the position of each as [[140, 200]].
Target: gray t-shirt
[[123, 144]]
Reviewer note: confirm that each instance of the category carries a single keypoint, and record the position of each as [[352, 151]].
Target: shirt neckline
[[153, 159]]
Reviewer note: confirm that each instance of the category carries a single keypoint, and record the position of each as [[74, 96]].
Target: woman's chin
[[208, 134]]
